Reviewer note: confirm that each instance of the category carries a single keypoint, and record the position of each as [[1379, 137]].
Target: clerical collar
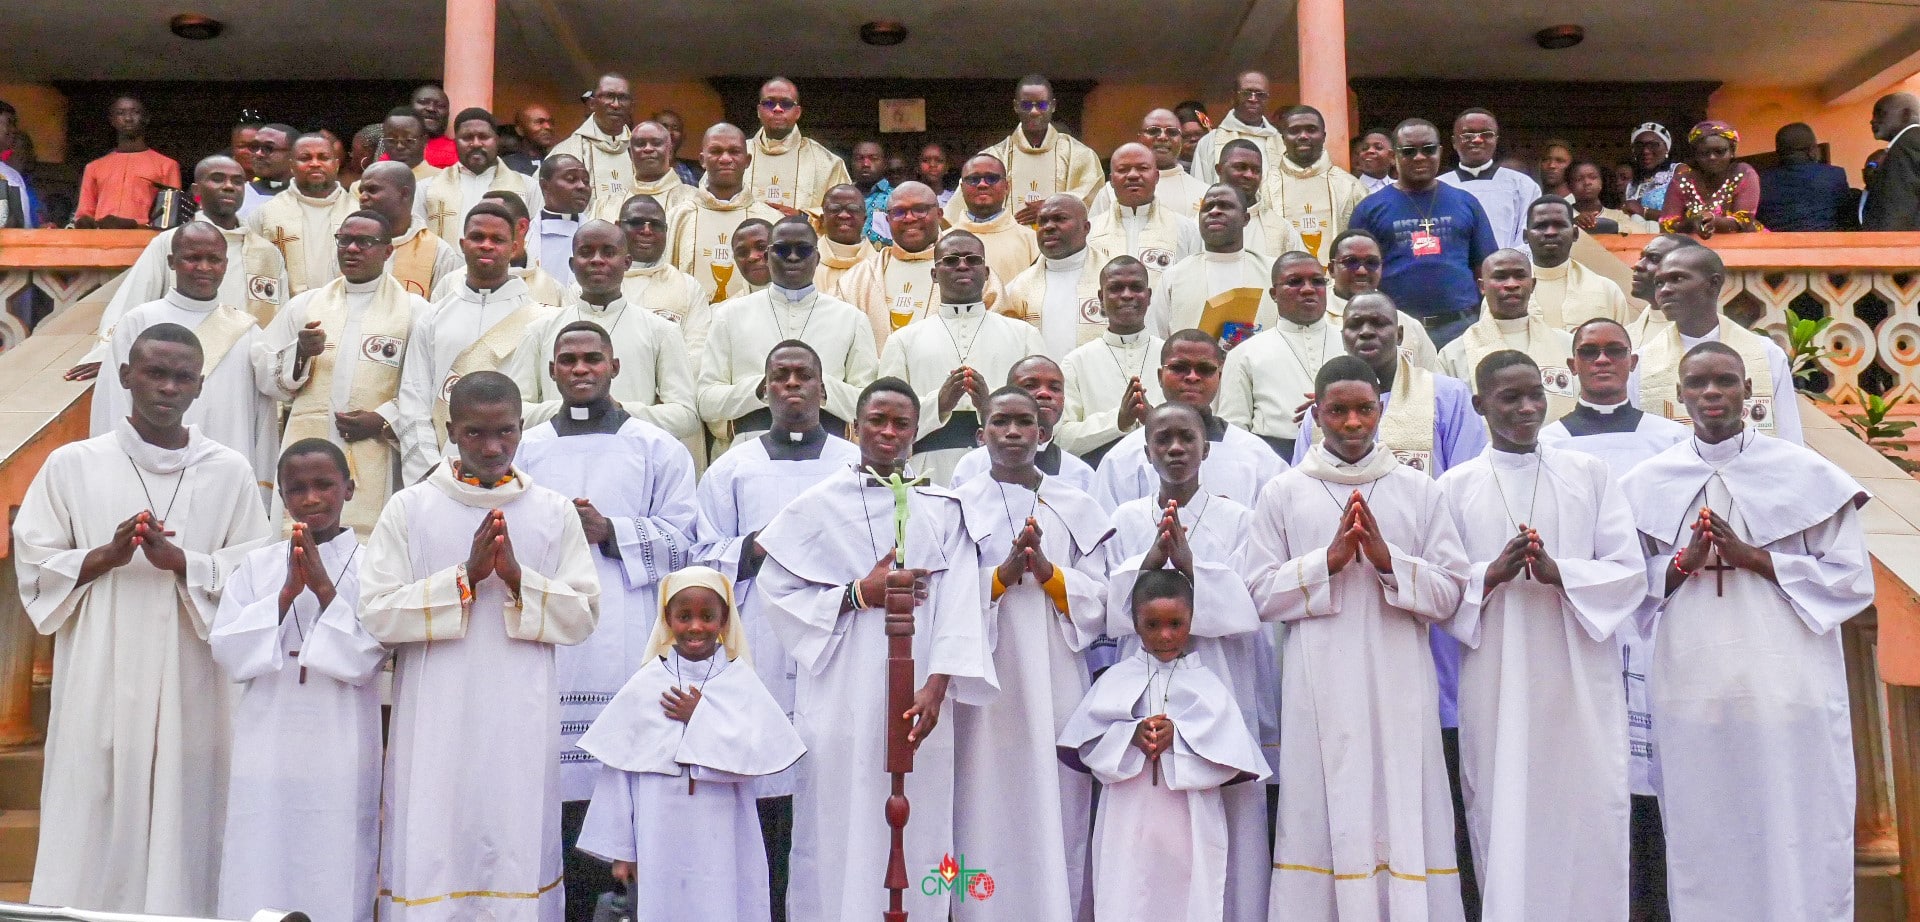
[[178, 299], [272, 186], [1604, 408], [606, 308], [1047, 459], [643, 266], [794, 446], [1134, 211], [1511, 324], [989, 219], [1216, 426], [362, 288], [1483, 171], [1072, 263], [546, 215], [1594, 419], [791, 295], [602, 417], [1218, 257], [956, 311], [1124, 340]]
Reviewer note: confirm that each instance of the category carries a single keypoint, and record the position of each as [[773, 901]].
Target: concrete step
[[19, 839], [20, 773]]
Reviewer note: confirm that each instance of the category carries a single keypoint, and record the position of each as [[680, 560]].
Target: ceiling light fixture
[[1555, 38], [195, 27], [883, 32]]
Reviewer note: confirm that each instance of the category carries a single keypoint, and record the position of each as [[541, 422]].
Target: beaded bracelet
[[1677, 566]]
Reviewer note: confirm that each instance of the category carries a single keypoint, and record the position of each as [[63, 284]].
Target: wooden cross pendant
[[1719, 568]]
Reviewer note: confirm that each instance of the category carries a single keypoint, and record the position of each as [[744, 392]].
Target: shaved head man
[[702, 229], [1177, 188], [1060, 294], [420, 258], [1893, 195], [650, 150], [1140, 219]]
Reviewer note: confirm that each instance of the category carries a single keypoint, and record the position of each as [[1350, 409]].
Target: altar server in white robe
[[732, 397], [1044, 541], [1060, 294], [1357, 554], [1137, 221], [471, 797], [303, 804], [829, 555], [1041, 377], [1177, 189], [1237, 464], [1160, 732], [1749, 688], [950, 358], [632, 483], [1109, 382], [235, 406], [1223, 290], [1555, 568], [477, 327], [682, 744], [1204, 536], [114, 550], [654, 385], [1269, 376], [256, 278]]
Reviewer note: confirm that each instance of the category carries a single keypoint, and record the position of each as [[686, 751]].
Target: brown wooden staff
[[899, 750]]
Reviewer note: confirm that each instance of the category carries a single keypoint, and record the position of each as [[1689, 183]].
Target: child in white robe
[[672, 809], [1163, 734], [303, 805]]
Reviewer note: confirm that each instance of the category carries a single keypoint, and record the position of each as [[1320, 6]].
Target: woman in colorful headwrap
[[1713, 194]]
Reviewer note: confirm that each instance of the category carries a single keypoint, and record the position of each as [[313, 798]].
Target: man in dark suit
[[1802, 193], [1893, 198]]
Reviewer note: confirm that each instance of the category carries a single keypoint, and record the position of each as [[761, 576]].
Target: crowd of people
[[457, 542]]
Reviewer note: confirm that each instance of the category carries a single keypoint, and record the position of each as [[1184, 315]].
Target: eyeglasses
[[1476, 135], [268, 148], [1184, 368], [1160, 132], [982, 179], [902, 212], [1316, 281], [854, 209], [360, 241], [640, 223], [779, 104], [792, 251], [1034, 105], [1423, 150], [1615, 352], [959, 261], [613, 97], [1357, 263], [1252, 94]]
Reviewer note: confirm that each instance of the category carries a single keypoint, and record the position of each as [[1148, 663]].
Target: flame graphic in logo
[[948, 869]]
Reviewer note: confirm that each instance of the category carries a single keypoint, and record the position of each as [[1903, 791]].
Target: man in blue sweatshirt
[[1434, 236]]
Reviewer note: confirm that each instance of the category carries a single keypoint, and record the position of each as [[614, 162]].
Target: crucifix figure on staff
[[852, 565]]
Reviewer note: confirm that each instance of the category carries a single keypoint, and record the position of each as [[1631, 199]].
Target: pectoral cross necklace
[[1719, 565], [151, 505], [1539, 468]]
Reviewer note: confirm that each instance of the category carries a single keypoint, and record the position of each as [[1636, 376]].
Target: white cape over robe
[[135, 785], [828, 536], [1020, 813], [677, 799], [641, 479], [471, 797], [1749, 688], [303, 812], [1543, 765], [1160, 850], [1365, 831]]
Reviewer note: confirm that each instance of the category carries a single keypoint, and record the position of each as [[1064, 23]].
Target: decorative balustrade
[[67, 265], [1868, 283]]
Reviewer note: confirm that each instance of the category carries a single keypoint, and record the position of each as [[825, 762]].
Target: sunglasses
[[1423, 150], [982, 179], [1203, 369], [1615, 352], [1357, 263], [792, 251], [1033, 105], [1476, 135], [966, 261], [639, 223], [777, 104], [1160, 132], [1317, 281], [360, 241]]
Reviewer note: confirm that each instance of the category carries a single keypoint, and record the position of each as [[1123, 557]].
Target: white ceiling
[[1770, 42]]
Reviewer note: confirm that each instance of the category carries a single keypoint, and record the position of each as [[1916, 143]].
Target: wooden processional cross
[[899, 694]]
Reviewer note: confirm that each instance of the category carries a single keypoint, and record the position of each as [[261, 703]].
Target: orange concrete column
[[1323, 69], [469, 67]]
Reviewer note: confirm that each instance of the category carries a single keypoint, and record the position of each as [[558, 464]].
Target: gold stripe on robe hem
[[1368, 875], [472, 894]]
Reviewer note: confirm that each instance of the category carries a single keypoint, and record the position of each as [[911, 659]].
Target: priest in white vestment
[[453, 192], [1205, 538], [1041, 159], [1506, 289], [791, 173], [1247, 121], [1060, 294], [951, 358], [1567, 294], [1243, 165], [114, 551], [1041, 378], [654, 385], [824, 579], [1018, 806], [652, 280], [1751, 583], [1111, 382], [1224, 290], [896, 286], [732, 388], [524, 259], [1356, 553], [420, 258], [600, 143], [1356, 268], [1555, 569], [1315, 195], [1177, 189], [300, 222], [700, 229], [235, 406], [650, 150], [348, 394], [1503, 193], [843, 235], [1137, 221], [474, 576], [1237, 465], [475, 328], [1011, 246], [303, 806], [1269, 376]]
